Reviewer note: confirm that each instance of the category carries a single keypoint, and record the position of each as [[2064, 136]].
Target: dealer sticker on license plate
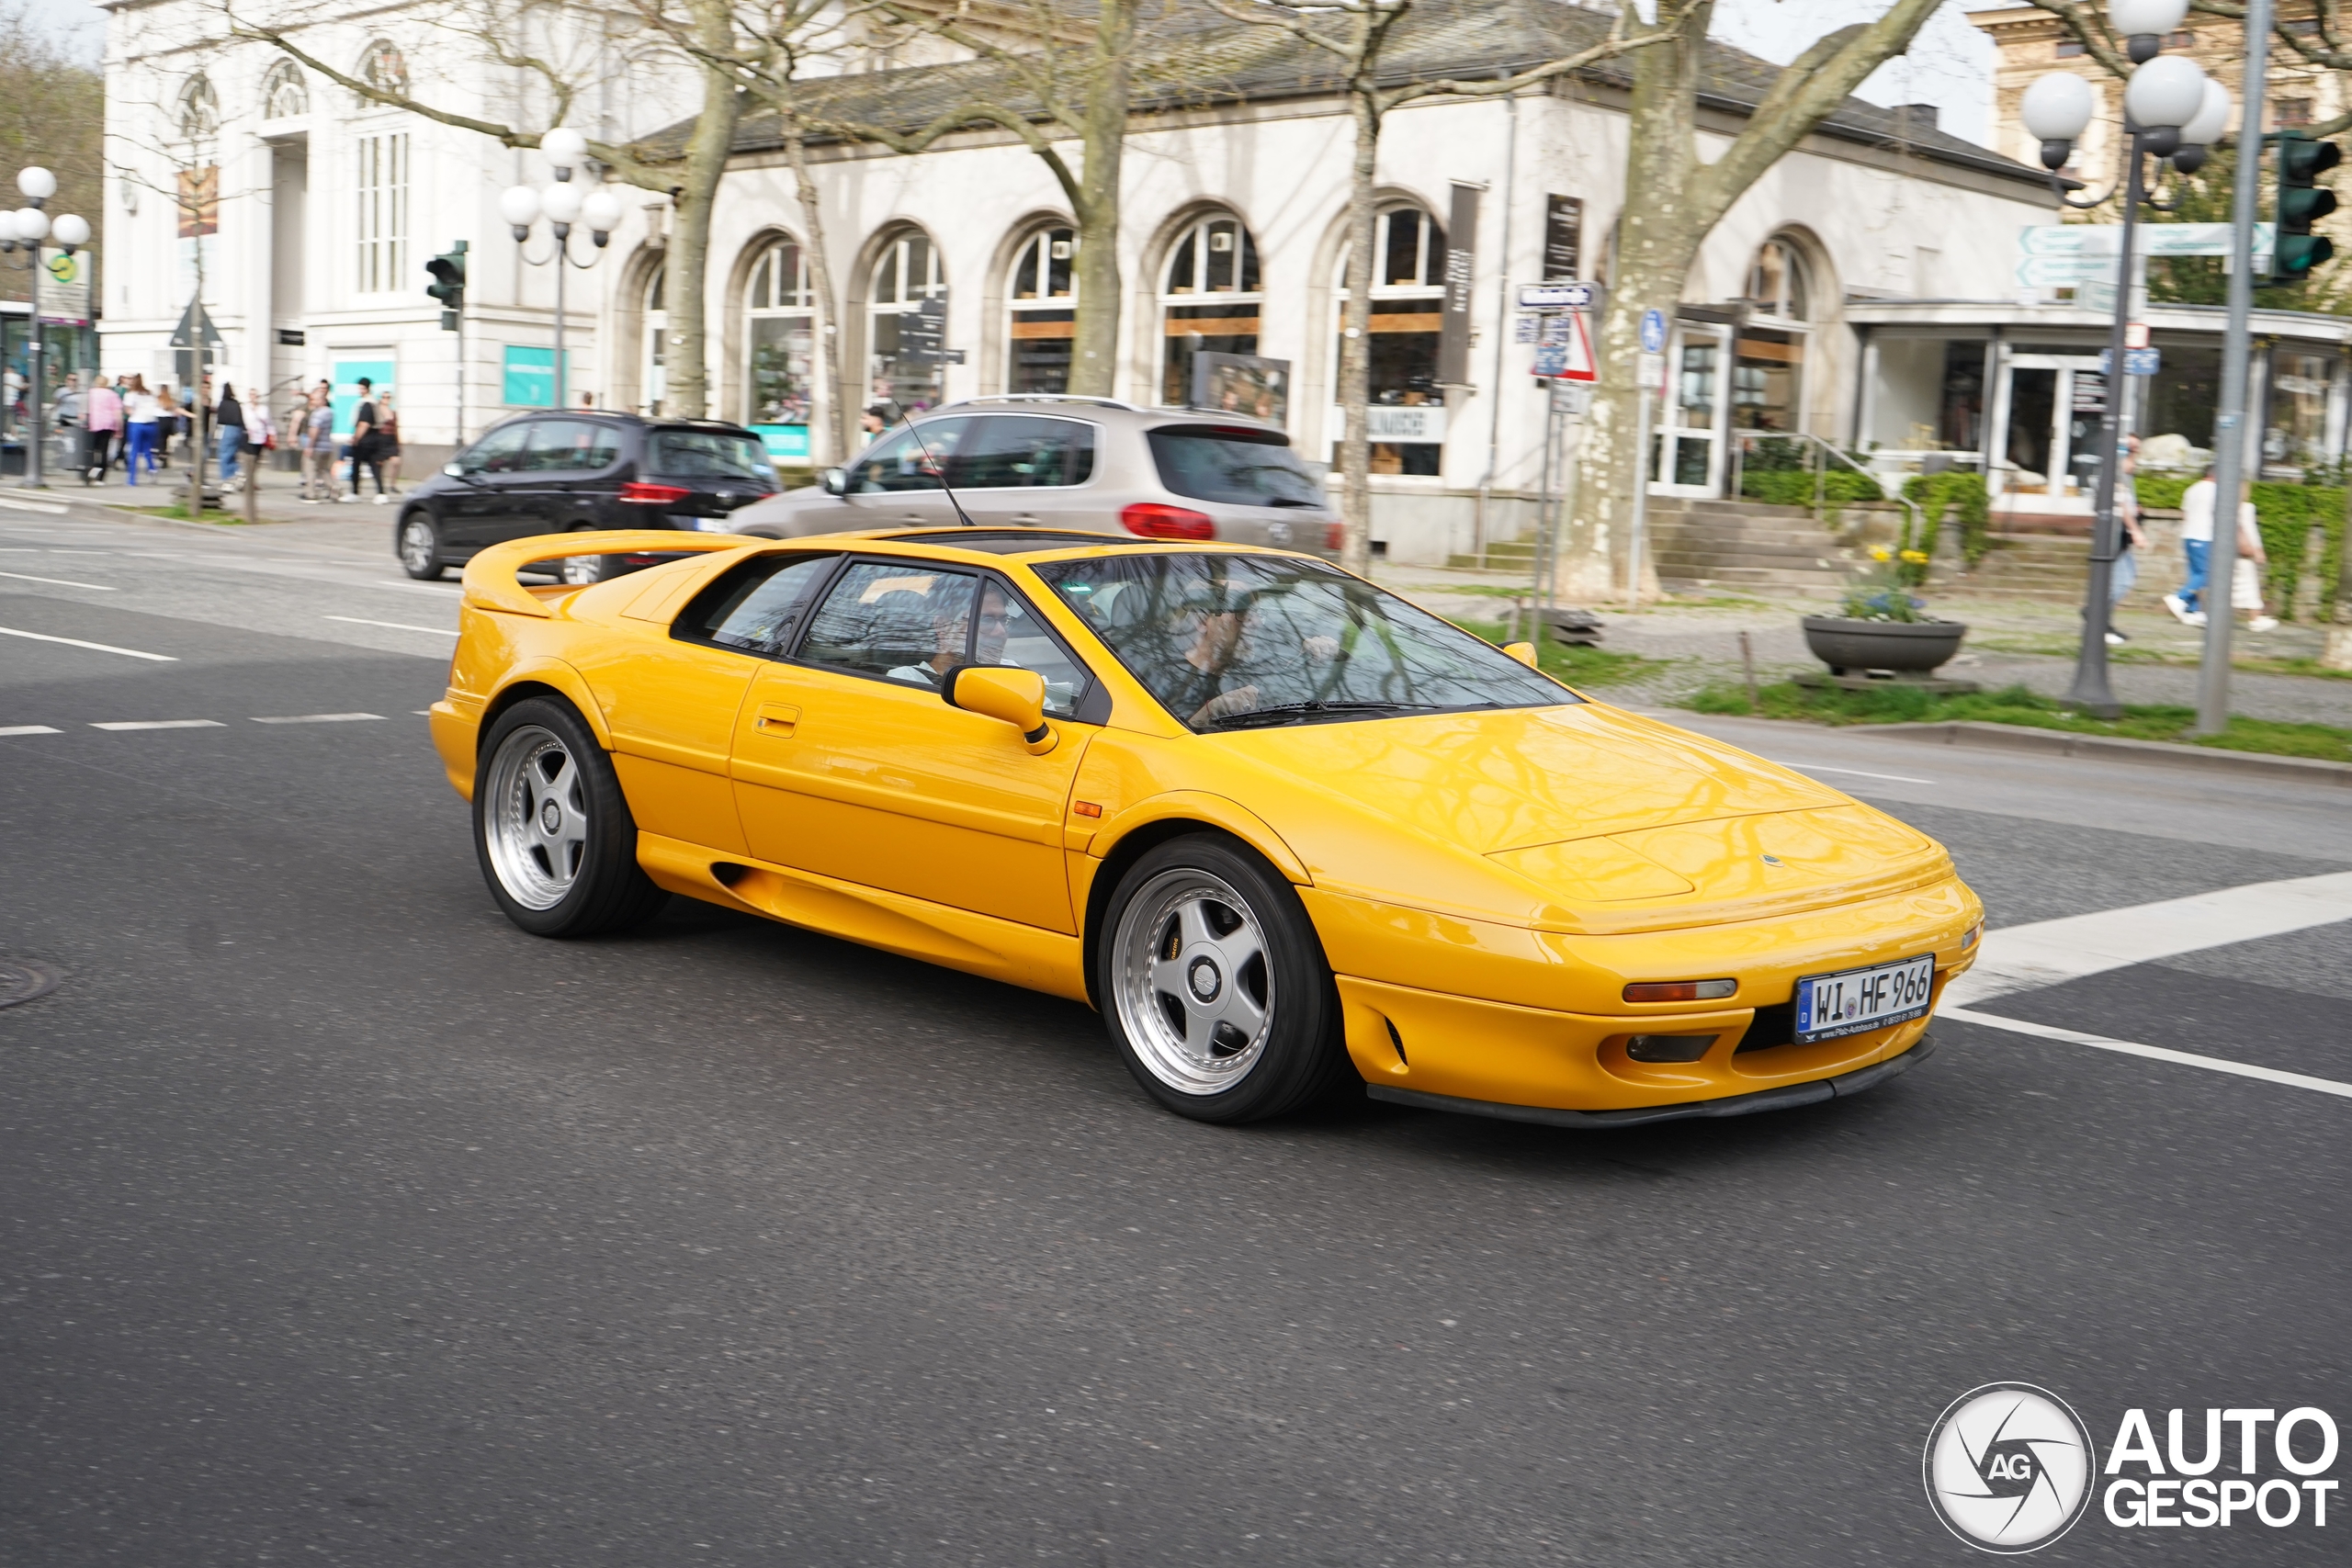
[[1858, 1000]]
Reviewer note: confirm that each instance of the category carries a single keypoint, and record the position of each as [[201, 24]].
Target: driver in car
[[947, 634]]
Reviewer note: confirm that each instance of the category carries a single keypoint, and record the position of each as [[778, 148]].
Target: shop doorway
[[2047, 407], [1685, 451]]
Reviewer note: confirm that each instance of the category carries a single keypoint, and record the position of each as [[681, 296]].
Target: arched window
[[780, 323], [650, 374], [284, 93], [199, 110], [1768, 364], [1043, 301], [384, 68], [903, 361], [1209, 302], [1408, 311]]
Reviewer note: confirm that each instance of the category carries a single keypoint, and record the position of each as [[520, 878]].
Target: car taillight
[[1158, 520], [644, 495], [1680, 990], [1335, 536]]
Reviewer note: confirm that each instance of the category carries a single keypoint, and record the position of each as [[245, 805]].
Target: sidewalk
[[2010, 642], [280, 501]]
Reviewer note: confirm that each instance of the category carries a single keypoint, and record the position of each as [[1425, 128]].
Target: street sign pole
[[32, 352], [2229, 421]]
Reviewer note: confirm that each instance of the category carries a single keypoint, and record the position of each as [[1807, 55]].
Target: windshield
[[1235, 642], [1238, 467], [710, 454]]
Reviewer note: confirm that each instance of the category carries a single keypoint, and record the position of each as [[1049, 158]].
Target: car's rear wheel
[[419, 547], [553, 828], [579, 571], [1214, 985]]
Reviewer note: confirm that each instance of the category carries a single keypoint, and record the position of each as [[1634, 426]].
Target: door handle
[[777, 719], [1025, 519]]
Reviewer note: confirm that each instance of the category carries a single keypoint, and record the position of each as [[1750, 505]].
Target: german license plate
[[1854, 1000]]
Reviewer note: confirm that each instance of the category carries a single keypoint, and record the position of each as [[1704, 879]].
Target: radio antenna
[[937, 466]]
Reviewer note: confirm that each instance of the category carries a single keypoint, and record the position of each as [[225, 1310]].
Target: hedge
[[1935, 494], [2286, 513], [1794, 487]]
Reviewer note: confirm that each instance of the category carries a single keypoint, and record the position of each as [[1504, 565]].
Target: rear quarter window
[[708, 455], [1238, 466]]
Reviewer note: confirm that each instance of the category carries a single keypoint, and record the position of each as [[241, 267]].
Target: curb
[[2114, 749]]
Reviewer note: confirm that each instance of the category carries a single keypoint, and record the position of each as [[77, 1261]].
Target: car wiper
[[1282, 712], [1286, 500]]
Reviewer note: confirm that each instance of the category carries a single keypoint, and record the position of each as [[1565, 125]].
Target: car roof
[[1069, 403], [1058, 544]]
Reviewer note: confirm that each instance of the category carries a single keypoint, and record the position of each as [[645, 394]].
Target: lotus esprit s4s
[[1284, 829]]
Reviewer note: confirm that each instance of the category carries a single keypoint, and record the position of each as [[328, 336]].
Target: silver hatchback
[[1067, 462]]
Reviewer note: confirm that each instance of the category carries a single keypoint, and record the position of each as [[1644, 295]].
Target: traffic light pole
[[2229, 422]]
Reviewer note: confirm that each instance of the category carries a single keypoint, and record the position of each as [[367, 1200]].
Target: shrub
[[1936, 494]]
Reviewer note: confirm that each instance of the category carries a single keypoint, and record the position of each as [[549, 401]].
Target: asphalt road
[[342, 1223]]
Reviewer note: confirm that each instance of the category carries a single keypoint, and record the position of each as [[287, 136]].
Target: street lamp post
[[28, 226], [563, 204], [2170, 111]]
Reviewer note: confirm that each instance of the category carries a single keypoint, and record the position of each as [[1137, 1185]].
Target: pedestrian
[[364, 442], [229, 420], [2187, 604], [2126, 570], [315, 436], [387, 445], [874, 421], [170, 422], [143, 414], [101, 429], [261, 434], [2245, 576]]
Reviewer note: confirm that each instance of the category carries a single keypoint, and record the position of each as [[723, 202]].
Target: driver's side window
[[902, 461], [500, 451]]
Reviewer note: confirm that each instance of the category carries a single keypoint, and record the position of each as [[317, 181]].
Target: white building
[[1233, 239]]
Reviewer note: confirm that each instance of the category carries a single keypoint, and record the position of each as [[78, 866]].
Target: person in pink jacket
[[101, 430]]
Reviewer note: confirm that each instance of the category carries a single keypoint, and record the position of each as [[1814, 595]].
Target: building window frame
[[380, 190], [907, 270], [1041, 311], [1211, 276], [1408, 280]]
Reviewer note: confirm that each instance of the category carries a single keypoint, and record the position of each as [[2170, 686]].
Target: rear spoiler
[[490, 583]]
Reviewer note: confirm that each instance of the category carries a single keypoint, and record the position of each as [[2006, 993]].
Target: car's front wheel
[[1214, 985], [553, 831], [419, 547]]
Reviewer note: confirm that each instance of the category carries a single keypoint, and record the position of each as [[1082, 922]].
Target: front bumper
[[1785, 1097]]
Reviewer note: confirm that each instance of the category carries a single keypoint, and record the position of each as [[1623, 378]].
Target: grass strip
[[2014, 704], [1573, 662]]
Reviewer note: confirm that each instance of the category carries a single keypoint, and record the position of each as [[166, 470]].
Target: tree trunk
[[688, 356], [1094, 338], [2337, 653], [1355, 338], [1658, 239], [827, 337]]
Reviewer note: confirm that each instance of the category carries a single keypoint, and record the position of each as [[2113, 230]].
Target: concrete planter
[[1905, 648]]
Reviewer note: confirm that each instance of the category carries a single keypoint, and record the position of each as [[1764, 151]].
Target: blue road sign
[[2136, 361], [1653, 332]]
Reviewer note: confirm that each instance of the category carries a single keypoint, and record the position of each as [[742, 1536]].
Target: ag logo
[[2008, 1467]]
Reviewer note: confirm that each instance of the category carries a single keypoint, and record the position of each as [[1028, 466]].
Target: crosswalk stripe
[[2047, 953], [30, 729], [2154, 1053], [161, 724]]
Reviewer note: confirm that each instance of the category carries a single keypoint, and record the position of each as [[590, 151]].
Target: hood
[[1521, 777]]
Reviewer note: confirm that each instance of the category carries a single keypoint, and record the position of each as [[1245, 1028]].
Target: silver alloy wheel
[[582, 572], [1194, 986], [535, 817], [416, 544]]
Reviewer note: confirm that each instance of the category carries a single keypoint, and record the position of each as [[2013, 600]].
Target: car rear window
[[1233, 464], [708, 455]]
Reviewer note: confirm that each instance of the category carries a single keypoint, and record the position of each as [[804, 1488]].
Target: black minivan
[[576, 471]]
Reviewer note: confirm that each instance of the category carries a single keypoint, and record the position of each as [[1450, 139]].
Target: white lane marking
[[161, 724], [2154, 1053], [31, 506], [29, 729], [319, 719], [396, 625], [421, 713], [59, 582], [95, 647], [1858, 773], [2024, 958]]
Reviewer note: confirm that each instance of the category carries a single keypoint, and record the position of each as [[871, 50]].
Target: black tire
[[417, 542], [1186, 1052], [580, 877]]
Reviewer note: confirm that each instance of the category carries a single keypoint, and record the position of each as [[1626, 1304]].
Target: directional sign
[[1559, 296], [2136, 361], [1653, 332], [2153, 238], [2061, 272], [195, 327]]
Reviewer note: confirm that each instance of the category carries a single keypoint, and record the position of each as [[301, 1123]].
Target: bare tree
[[1674, 199], [531, 38], [51, 113], [1355, 35]]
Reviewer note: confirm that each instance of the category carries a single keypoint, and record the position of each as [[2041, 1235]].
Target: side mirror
[[455, 471], [835, 481], [1522, 651], [1015, 696]]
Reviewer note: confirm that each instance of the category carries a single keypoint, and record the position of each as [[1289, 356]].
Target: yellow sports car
[[1284, 829]]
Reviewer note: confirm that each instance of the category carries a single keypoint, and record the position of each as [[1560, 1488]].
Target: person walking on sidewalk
[[2199, 505], [315, 436], [364, 443], [387, 445], [101, 430], [228, 419], [142, 413]]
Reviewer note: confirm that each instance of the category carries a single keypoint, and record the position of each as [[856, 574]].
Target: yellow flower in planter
[[1916, 557], [1880, 552]]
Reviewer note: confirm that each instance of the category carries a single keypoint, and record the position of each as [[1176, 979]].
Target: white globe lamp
[[2165, 94], [36, 183], [71, 230], [561, 203], [519, 205], [564, 149]]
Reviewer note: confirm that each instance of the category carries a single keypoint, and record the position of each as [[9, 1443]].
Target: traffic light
[[449, 284], [2301, 203]]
